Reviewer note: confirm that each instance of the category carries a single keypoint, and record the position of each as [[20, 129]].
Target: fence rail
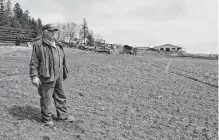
[[16, 36]]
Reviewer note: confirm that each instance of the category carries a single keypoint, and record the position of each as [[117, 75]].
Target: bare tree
[[71, 30], [98, 38], [76, 34], [67, 31], [58, 35]]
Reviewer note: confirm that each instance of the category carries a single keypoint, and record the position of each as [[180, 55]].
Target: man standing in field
[[47, 71]]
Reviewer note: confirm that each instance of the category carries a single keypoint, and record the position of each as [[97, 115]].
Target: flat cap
[[50, 27]]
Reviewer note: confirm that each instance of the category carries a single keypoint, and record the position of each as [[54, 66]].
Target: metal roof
[[167, 45]]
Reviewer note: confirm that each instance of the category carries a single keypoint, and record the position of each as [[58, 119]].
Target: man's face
[[51, 34]]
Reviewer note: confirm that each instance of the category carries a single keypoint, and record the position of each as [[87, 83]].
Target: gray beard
[[49, 38]]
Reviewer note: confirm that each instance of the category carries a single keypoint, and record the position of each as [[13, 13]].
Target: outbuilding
[[168, 48], [129, 50]]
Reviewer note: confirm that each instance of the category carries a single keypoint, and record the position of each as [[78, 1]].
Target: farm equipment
[[129, 50], [103, 47], [82, 46], [73, 44], [91, 48]]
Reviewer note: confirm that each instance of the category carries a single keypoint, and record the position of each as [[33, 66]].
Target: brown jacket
[[41, 63]]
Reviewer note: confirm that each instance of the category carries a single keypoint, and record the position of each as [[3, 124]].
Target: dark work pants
[[52, 91]]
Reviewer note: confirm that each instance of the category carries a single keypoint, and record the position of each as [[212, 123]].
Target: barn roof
[[167, 45]]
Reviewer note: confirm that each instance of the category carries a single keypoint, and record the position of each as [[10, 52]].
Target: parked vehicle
[[103, 47], [129, 50], [91, 48]]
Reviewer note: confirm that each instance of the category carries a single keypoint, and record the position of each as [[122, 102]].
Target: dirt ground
[[114, 97]]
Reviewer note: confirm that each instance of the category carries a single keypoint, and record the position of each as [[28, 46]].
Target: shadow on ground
[[34, 114], [25, 113]]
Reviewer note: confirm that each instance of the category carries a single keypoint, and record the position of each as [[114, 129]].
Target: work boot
[[67, 119], [49, 123]]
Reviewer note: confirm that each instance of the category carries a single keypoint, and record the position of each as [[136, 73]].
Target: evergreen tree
[[84, 32], [33, 24], [16, 18], [25, 20], [3, 17], [18, 14], [39, 26], [8, 12], [8, 8], [90, 38]]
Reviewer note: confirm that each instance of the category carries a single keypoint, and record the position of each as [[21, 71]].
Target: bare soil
[[114, 97]]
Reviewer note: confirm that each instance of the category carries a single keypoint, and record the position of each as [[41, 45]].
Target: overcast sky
[[192, 24]]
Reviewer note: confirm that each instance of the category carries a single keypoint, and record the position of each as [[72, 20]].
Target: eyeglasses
[[52, 31]]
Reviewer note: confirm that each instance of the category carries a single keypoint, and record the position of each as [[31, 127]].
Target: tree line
[[16, 17], [72, 32]]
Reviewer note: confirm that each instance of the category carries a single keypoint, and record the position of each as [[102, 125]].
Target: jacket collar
[[47, 41]]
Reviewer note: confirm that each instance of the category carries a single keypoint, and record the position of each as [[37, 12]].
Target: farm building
[[129, 50], [168, 48]]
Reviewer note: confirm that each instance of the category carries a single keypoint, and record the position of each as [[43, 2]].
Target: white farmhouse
[[169, 48]]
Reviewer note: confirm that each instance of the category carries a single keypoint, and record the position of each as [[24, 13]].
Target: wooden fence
[[15, 36]]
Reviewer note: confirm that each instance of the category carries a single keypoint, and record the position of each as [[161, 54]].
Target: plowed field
[[114, 97]]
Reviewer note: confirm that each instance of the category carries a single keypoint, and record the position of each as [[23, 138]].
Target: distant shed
[[168, 48], [129, 50]]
